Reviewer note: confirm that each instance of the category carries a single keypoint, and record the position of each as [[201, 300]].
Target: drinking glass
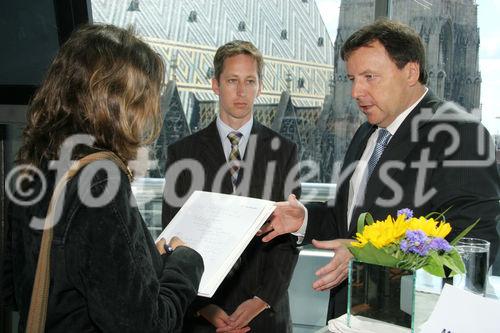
[[475, 255]]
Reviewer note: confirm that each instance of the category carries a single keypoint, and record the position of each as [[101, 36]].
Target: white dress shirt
[[225, 129]]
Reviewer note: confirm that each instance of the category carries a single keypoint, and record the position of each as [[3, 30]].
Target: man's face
[[381, 89], [237, 88]]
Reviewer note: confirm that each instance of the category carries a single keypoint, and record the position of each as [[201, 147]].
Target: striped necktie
[[234, 156]]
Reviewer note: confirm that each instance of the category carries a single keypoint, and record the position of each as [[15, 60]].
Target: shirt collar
[[225, 129], [393, 127]]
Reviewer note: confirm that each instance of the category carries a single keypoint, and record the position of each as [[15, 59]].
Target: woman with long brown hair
[[101, 93]]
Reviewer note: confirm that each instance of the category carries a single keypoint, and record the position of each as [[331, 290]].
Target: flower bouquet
[[383, 280], [408, 242]]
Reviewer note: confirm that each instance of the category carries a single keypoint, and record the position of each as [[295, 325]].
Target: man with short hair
[[239, 156], [415, 151]]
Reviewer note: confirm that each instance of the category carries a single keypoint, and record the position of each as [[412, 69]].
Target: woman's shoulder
[[97, 187]]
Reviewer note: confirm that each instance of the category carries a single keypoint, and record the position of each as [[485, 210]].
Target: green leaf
[[463, 233], [435, 265], [453, 260], [364, 218], [370, 254], [440, 216], [407, 264]]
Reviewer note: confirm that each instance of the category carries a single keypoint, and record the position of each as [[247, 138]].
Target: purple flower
[[440, 244], [407, 212], [415, 241], [416, 236], [404, 245]]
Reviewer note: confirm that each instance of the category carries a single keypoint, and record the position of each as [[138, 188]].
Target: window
[[293, 63]]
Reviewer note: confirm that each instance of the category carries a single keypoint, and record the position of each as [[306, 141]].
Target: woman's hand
[[175, 242], [162, 245]]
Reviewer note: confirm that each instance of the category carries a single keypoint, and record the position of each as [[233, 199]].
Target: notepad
[[219, 227]]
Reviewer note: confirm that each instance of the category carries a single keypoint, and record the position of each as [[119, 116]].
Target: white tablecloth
[[361, 325]]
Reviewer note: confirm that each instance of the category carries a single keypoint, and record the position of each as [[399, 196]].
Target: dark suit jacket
[[266, 269], [472, 191]]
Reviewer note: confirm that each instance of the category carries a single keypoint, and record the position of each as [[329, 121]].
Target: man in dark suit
[[235, 154], [415, 151]]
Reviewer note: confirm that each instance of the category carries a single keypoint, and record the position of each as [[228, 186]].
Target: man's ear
[[215, 86], [260, 88], [413, 72]]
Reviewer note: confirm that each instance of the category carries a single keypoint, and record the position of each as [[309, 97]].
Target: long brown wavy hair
[[104, 82]]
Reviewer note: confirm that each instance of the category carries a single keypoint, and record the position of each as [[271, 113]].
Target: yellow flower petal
[[383, 233], [443, 230]]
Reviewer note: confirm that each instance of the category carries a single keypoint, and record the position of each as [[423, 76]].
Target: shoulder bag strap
[[39, 297]]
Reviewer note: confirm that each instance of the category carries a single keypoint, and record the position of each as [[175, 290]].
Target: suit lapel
[[358, 145], [254, 150], [213, 155]]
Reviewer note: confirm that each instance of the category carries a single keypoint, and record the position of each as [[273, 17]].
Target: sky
[[489, 53]]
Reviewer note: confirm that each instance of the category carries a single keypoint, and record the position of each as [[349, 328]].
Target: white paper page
[[219, 227], [460, 311]]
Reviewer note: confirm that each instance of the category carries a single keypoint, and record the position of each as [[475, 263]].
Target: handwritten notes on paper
[[219, 227]]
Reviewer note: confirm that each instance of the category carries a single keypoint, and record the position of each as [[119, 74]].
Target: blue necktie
[[384, 136]]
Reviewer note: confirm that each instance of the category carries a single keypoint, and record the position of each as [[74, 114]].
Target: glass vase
[[390, 295]]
